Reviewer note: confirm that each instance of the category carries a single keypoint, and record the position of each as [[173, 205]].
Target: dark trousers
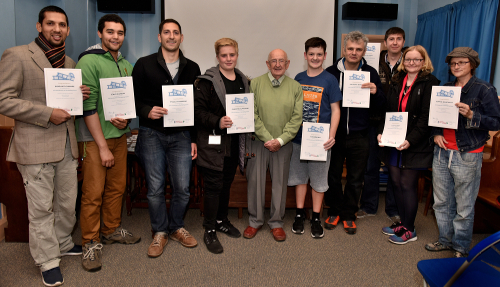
[[354, 149], [217, 185], [370, 195]]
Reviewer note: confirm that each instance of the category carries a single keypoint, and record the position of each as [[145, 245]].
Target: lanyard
[[403, 97]]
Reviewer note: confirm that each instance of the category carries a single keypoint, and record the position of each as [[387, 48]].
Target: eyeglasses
[[274, 61], [460, 64], [413, 60]]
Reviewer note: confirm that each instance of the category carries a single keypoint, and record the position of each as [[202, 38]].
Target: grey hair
[[355, 36]]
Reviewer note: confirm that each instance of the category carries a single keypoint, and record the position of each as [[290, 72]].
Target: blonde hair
[[225, 42], [427, 65]]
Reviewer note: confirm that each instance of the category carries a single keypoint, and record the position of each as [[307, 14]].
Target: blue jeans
[[455, 180], [371, 190], [160, 153]]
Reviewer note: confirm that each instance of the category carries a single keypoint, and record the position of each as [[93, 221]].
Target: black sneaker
[[52, 277], [331, 222], [316, 228], [76, 250], [350, 227], [226, 227], [212, 242], [298, 224]]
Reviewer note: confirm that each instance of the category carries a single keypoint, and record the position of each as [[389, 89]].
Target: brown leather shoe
[[279, 234], [157, 246], [250, 232], [184, 238]]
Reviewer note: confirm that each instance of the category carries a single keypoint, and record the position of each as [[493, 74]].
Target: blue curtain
[[467, 23]]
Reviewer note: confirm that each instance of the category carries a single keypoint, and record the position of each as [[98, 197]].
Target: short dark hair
[[51, 8], [315, 42], [393, 31], [169, 20], [111, 18]]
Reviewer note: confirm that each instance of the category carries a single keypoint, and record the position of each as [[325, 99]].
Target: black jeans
[[354, 148], [217, 185]]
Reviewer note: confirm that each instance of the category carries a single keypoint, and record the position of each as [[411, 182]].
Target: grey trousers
[[278, 163], [51, 190]]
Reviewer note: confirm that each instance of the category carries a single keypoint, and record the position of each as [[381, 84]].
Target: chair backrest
[[487, 251]]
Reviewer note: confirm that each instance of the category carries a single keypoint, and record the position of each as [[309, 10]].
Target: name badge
[[213, 139]]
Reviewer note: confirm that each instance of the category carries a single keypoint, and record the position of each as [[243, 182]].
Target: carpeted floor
[[339, 259]]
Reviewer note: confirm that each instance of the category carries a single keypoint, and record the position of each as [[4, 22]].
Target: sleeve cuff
[[282, 143]]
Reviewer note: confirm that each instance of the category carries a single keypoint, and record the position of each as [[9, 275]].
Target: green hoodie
[[95, 64]]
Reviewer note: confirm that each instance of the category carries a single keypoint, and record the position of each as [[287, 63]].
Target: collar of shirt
[[271, 78], [359, 66], [397, 63]]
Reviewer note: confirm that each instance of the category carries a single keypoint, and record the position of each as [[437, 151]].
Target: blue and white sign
[[353, 95], [178, 100], [372, 55], [240, 108], [64, 77], [442, 112], [314, 136], [394, 129], [118, 98], [62, 90], [395, 118]]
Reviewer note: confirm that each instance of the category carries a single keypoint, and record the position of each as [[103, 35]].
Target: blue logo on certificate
[[396, 119], [64, 77], [357, 77], [177, 93], [443, 93], [314, 129], [370, 49], [240, 101], [115, 85]]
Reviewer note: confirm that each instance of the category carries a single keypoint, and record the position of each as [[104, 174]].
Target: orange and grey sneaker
[[349, 227], [331, 222]]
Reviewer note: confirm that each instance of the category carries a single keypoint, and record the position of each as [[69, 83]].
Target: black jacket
[[149, 75], [357, 119], [209, 108], [384, 71], [419, 154]]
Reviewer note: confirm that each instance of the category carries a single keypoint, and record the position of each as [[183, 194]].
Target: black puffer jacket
[[209, 108], [419, 154]]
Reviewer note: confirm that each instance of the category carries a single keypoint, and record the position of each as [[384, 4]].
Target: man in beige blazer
[[43, 143]]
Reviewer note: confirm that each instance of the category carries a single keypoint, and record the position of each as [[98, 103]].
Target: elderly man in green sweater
[[278, 116]]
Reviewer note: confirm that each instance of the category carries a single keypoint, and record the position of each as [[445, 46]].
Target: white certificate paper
[[118, 98], [178, 100], [314, 135], [239, 107], [353, 95], [62, 90], [394, 129], [443, 113], [372, 55]]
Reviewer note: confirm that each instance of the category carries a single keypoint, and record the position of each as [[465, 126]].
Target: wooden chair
[[487, 216]]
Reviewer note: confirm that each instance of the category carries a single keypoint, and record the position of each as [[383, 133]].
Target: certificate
[[314, 135], [118, 98], [394, 129], [62, 90], [443, 113], [239, 107], [372, 55], [353, 95], [178, 100]]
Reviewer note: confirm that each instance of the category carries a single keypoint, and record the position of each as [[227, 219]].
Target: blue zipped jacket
[[482, 98]]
